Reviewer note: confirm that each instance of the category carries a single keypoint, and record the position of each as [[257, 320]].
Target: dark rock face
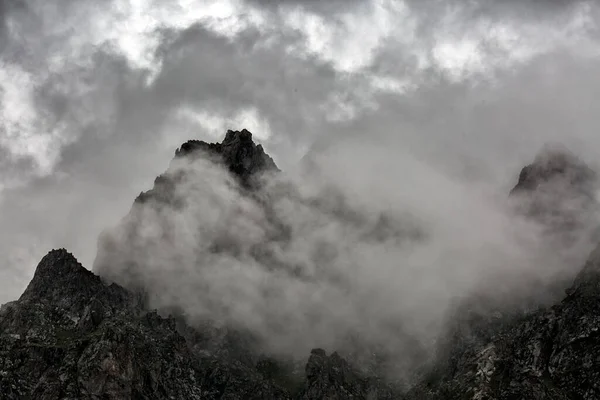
[[332, 377], [557, 189], [238, 153], [555, 164], [71, 336], [548, 354], [62, 298]]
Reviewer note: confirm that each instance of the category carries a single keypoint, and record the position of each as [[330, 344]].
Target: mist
[[363, 247], [418, 114]]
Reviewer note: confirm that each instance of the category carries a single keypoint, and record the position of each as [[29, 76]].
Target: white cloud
[[22, 131], [61, 40], [214, 124], [350, 41], [133, 27], [391, 84], [481, 46]]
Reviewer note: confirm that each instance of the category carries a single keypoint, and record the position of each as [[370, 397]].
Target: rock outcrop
[[548, 354], [557, 189], [245, 160], [238, 152], [70, 336], [555, 164]]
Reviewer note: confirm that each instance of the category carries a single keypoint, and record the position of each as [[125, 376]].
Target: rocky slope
[[72, 335], [547, 353]]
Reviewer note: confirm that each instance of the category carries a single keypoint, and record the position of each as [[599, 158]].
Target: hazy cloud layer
[[364, 240], [95, 97]]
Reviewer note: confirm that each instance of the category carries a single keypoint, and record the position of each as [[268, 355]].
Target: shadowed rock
[[555, 164], [549, 353], [332, 377], [70, 336], [558, 191], [237, 153]]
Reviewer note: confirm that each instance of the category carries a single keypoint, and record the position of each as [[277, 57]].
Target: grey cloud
[[500, 122], [336, 6], [465, 137], [372, 233], [321, 7], [286, 90], [123, 142]]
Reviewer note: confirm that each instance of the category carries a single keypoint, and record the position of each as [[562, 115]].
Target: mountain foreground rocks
[[73, 335]]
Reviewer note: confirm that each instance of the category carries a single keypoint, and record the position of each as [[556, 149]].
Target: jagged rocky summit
[[555, 164], [201, 176], [238, 153], [72, 335], [556, 188]]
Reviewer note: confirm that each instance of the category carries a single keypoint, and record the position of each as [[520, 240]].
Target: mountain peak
[[232, 136], [237, 152], [555, 162], [58, 272], [558, 190], [61, 281]]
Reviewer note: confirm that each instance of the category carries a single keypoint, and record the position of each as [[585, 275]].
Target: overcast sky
[[96, 96]]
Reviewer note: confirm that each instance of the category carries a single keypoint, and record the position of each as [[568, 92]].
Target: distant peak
[[554, 162]]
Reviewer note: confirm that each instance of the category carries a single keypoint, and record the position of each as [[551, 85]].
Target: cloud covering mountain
[[95, 97]]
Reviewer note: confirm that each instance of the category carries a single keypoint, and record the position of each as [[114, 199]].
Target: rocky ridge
[[73, 336], [70, 336], [238, 153], [546, 353]]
